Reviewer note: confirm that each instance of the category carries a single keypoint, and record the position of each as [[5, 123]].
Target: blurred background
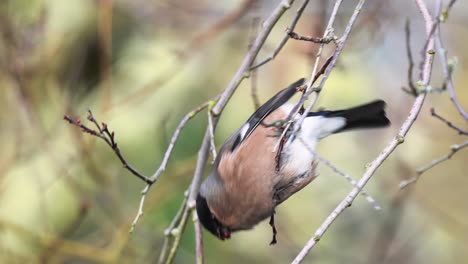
[[142, 65]]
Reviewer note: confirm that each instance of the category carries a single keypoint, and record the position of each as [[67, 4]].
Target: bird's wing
[[263, 111]]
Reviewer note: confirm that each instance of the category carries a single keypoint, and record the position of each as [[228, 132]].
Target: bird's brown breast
[[249, 176]]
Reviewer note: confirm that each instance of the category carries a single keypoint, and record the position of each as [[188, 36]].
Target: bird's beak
[[224, 233]]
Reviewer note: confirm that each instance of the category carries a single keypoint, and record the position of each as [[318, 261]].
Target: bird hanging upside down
[[249, 179]]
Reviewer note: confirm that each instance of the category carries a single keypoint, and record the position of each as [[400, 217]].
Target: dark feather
[[364, 116], [263, 111]]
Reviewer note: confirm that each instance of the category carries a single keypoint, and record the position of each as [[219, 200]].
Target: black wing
[[263, 111]]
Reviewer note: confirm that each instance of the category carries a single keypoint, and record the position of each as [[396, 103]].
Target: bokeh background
[[142, 65]]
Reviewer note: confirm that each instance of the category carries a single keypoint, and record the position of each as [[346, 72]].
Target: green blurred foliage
[[65, 198]]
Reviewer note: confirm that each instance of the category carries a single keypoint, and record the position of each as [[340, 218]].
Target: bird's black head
[[209, 220]]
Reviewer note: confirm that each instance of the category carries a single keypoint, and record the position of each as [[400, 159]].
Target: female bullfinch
[[248, 180]]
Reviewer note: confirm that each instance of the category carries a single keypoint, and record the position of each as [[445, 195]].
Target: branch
[[104, 134], [412, 88], [435, 29], [254, 80], [175, 136], [108, 137], [353, 182], [375, 164], [198, 239], [442, 52], [453, 149], [285, 38], [246, 65], [324, 40], [448, 123], [203, 153], [174, 231]]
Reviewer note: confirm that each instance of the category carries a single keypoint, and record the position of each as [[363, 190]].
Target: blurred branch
[[55, 245], [69, 247], [227, 20], [397, 140], [189, 51], [104, 24]]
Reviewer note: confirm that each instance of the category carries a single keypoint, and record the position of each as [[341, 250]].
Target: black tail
[[364, 116]]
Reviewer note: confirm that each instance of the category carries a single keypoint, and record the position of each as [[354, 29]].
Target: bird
[[251, 175]]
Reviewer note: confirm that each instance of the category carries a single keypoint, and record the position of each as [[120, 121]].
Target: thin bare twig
[[104, 134], [211, 130], [246, 64], [140, 207], [285, 38], [453, 149], [254, 72], [288, 120], [173, 230], [375, 164], [412, 88], [448, 123], [324, 40], [175, 136], [199, 239], [442, 52], [353, 182]]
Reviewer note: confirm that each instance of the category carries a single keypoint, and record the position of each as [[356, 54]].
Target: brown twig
[[412, 88], [324, 40], [108, 137]]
